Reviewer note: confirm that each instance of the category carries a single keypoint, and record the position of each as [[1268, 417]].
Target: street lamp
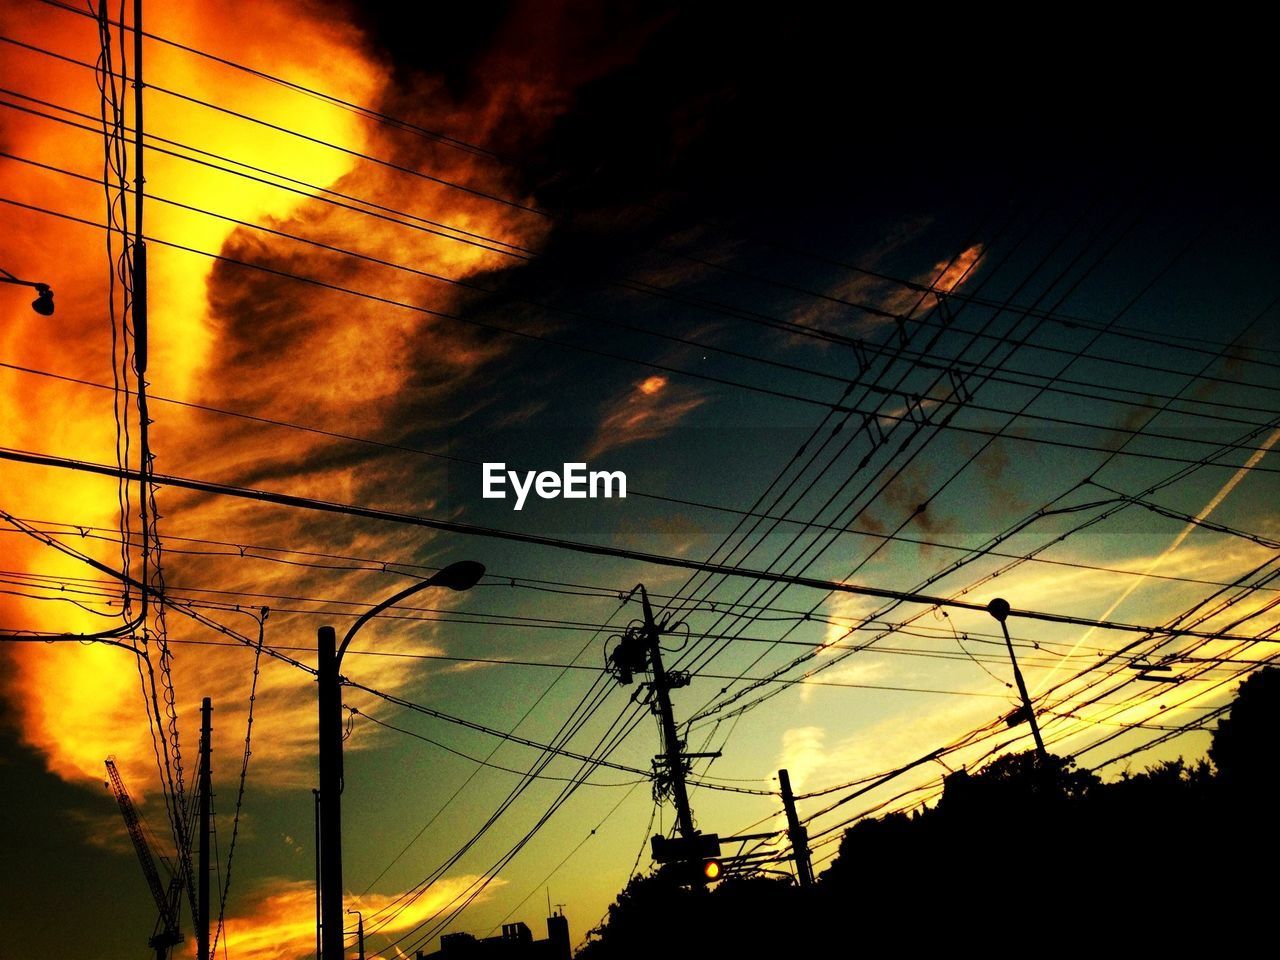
[[359, 931], [462, 575], [999, 609], [43, 303]]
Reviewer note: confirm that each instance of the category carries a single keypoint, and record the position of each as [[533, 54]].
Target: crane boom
[[166, 902]]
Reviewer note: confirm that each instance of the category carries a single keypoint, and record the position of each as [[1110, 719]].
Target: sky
[[874, 302]]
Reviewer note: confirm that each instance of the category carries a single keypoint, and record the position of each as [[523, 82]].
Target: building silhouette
[[515, 943]]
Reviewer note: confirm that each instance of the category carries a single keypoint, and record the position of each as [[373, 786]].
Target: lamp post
[[999, 609], [462, 575], [359, 931], [43, 303]]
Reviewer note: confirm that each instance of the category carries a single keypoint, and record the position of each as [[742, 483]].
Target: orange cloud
[[650, 409], [236, 338], [946, 275], [281, 925]]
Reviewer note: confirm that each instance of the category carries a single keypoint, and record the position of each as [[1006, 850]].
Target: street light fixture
[[459, 576], [43, 303]]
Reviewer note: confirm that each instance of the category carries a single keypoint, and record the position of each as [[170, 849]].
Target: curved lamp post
[[462, 575], [43, 303]]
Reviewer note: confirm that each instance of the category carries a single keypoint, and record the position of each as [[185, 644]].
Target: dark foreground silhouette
[[1014, 858]]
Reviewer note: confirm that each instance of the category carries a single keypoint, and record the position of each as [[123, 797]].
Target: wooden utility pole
[[796, 832]]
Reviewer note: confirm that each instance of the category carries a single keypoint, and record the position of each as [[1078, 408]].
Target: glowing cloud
[[281, 925], [650, 409]]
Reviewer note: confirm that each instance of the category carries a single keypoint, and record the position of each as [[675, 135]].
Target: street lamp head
[[43, 303], [999, 609], [462, 575]]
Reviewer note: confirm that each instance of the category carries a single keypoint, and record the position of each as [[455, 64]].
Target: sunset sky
[[844, 299]]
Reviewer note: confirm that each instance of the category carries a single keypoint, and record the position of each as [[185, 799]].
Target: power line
[[956, 473], [437, 136], [355, 712], [727, 351], [910, 416], [246, 551], [631, 284], [1069, 322], [451, 526], [369, 112], [356, 154]]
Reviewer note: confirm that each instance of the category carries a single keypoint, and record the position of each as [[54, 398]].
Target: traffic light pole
[[796, 832], [672, 747]]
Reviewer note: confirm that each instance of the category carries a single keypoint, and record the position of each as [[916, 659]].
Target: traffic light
[[699, 847], [694, 861], [694, 873]]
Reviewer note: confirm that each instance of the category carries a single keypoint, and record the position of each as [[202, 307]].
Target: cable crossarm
[[453, 526]]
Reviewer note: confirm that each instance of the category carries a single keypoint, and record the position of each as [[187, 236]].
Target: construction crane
[[166, 934]]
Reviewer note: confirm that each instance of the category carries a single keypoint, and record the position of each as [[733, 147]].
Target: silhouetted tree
[[1013, 850], [654, 916], [1244, 745]]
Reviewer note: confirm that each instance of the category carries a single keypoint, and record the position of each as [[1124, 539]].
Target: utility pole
[[638, 650], [206, 797], [796, 832], [330, 734], [673, 749], [138, 309], [999, 609], [315, 795]]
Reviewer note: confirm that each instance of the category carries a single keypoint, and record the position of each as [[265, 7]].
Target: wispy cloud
[[838, 311], [648, 409]]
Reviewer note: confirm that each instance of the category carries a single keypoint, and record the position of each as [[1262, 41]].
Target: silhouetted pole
[[670, 736], [330, 733], [796, 832], [457, 576], [359, 931], [315, 795], [206, 796], [999, 609]]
